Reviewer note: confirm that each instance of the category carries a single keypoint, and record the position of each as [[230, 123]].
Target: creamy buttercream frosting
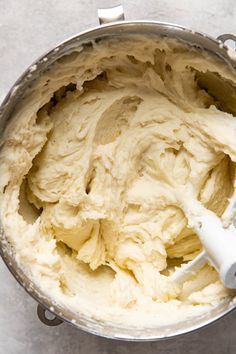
[[101, 167]]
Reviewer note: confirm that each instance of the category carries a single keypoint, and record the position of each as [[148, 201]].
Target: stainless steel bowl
[[23, 86]]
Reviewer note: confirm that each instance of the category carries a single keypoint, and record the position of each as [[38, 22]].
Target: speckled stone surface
[[27, 29]]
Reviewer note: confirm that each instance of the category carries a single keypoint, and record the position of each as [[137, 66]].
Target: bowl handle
[[42, 312], [227, 36], [111, 14]]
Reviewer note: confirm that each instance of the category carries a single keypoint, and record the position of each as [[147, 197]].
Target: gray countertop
[[27, 29]]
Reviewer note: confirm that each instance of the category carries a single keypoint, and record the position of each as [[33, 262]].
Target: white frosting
[[96, 189]]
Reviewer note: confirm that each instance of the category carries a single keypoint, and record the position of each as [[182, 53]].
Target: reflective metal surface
[[47, 317], [111, 14], [227, 37], [23, 87]]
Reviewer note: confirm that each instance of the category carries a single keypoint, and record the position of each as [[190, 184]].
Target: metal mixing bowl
[[22, 87]]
